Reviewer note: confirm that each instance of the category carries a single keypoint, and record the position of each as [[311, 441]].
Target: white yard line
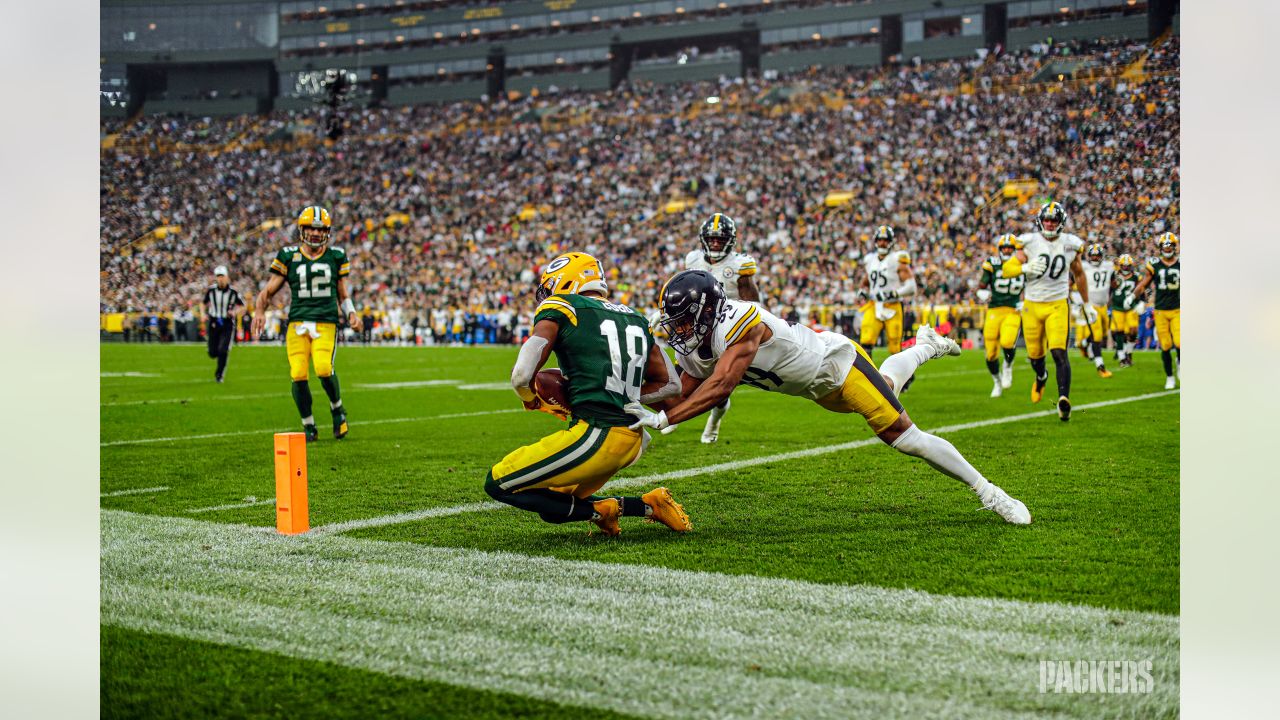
[[640, 640], [360, 423], [435, 512], [233, 506], [263, 396], [135, 491]]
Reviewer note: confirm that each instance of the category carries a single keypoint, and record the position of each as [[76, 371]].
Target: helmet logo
[[558, 263]]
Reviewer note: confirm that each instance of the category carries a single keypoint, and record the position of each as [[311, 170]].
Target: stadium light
[[595, 18], [515, 26], [152, 26], [555, 23], [635, 14], [679, 11], [1064, 10], [713, 99], [817, 36], [399, 38], [439, 35]]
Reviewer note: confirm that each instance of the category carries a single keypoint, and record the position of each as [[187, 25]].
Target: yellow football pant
[[1000, 330], [306, 347], [1169, 328], [865, 392], [871, 327], [1045, 323], [1124, 321], [578, 461]]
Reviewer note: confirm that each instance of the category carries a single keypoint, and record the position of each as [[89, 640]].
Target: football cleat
[[1103, 372], [1037, 388], [1006, 376], [996, 390], [312, 433], [666, 510], [1126, 361], [339, 426], [941, 346], [1170, 383], [1010, 509], [1064, 409], [609, 511]]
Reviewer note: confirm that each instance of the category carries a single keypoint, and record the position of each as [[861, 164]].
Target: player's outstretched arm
[[661, 382], [730, 368], [274, 283]]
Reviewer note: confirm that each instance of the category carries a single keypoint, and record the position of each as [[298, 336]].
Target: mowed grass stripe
[[617, 484], [635, 639], [360, 423]]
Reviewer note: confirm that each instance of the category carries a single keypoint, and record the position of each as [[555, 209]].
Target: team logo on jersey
[[728, 272], [297, 257]]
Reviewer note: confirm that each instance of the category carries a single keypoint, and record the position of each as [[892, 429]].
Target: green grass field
[[838, 582]]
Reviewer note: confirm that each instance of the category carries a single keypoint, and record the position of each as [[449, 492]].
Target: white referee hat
[[221, 270]]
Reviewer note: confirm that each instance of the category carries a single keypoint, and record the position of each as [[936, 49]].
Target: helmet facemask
[[883, 240], [313, 237], [1050, 220], [689, 325], [717, 247], [1168, 248], [1006, 250]]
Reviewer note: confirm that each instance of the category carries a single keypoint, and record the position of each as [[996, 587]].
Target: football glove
[[984, 295], [1090, 314], [646, 417], [1037, 267], [863, 296], [886, 296], [1130, 301]]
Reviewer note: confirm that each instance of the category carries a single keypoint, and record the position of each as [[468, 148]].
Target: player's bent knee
[[890, 435]]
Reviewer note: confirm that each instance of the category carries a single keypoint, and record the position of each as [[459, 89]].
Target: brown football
[[550, 386]]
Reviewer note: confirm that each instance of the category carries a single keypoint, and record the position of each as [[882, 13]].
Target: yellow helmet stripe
[[715, 222]]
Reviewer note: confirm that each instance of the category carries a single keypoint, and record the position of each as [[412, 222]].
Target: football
[[550, 387]]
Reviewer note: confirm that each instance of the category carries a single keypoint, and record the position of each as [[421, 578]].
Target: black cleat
[[312, 433], [339, 426], [1064, 408]]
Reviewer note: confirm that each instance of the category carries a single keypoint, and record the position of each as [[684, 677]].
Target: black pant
[[220, 342]]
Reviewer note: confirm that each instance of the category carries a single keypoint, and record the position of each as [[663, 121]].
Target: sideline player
[[608, 358], [722, 343], [1124, 312], [734, 271], [1000, 287], [317, 278], [1165, 272], [889, 279], [1054, 263], [1098, 272]]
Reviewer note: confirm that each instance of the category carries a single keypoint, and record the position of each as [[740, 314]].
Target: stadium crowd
[[447, 211]]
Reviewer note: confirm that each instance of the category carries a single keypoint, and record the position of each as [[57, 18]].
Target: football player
[[609, 359], [736, 274], [1165, 272], [1098, 272], [1124, 313], [723, 343], [1000, 287], [317, 278], [889, 279], [1051, 262]]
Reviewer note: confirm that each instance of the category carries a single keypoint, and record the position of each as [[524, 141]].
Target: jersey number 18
[[626, 383]]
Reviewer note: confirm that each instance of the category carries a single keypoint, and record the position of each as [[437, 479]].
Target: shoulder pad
[[290, 248], [337, 250], [904, 257], [989, 265]]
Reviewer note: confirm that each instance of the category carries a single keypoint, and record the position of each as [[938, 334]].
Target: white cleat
[[996, 390], [1170, 383], [1006, 376], [942, 346], [1010, 509]]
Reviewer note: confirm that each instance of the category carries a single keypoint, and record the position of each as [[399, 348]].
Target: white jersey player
[[1098, 272], [889, 279], [1050, 262], [724, 343], [736, 274]]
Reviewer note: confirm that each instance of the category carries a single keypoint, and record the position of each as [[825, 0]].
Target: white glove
[[984, 295], [1037, 267], [647, 418], [1130, 301], [884, 314], [670, 429], [1090, 314], [1018, 307]]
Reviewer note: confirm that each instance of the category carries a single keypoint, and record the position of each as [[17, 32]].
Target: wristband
[[348, 306]]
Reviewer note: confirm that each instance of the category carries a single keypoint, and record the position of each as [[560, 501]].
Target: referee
[[222, 307]]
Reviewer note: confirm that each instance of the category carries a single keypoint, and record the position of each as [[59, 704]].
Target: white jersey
[[1099, 281], [1059, 252], [795, 361], [731, 267], [882, 273]]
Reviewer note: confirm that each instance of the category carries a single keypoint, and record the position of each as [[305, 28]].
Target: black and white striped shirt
[[220, 302]]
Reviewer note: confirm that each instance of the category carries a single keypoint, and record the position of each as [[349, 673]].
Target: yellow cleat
[[1104, 373], [1037, 390], [666, 510], [609, 511]]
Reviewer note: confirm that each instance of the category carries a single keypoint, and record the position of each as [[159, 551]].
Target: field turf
[[837, 582]]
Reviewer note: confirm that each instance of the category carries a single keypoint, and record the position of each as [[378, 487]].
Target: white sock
[[900, 367], [309, 420], [718, 412], [1097, 360], [942, 455]]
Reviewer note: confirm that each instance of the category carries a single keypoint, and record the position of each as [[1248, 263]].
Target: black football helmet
[[1051, 212], [718, 235], [1094, 253], [883, 240], [690, 303]]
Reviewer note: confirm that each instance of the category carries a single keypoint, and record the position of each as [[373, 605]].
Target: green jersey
[[1121, 289], [1168, 283], [1005, 291], [313, 282], [602, 349]]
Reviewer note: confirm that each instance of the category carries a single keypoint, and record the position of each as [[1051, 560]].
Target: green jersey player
[[608, 358]]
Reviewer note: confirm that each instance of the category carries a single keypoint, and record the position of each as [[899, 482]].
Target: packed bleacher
[[447, 211]]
